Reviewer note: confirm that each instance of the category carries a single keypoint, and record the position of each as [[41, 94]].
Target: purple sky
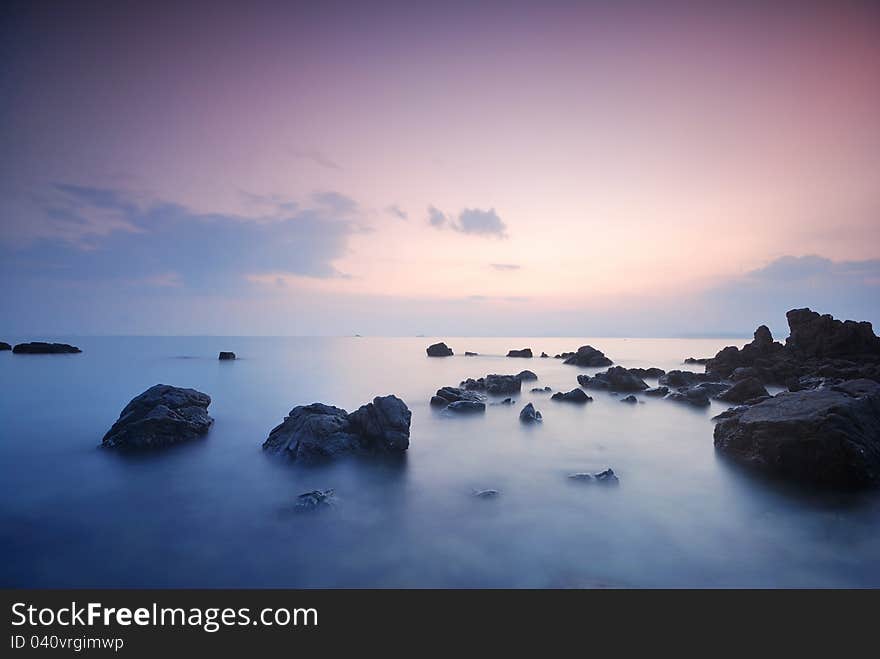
[[515, 168]]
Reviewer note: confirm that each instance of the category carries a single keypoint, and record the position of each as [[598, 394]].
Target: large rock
[[615, 378], [744, 391], [40, 348], [827, 436], [821, 336], [525, 352], [317, 431], [573, 396], [161, 416], [439, 350], [4, 346], [587, 356]]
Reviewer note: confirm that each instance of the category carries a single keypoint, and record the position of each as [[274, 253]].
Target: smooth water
[[219, 512]]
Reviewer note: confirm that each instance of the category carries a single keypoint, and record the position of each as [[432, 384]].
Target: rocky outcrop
[[815, 336], [439, 350], [587, 356], [4, 346], [494, 384], [828, 436], [573, 396], [744, 391], [317, 431], [447, 395], [40, 348], [615, 378], [652, 372], [161, 416], [525, 352], [529, 414], [226, 356]]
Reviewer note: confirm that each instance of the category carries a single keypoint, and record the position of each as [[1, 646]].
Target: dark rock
[[744, 373], [225, 356], [40, 348], [827, 437], [486, 494], [657, 391], [526, 376], [494, 384], [544, 355], [541, 390], [470, 354], [529, 414], [629, 399], [466, 406], [161, 416], [692, 396], [317, 431], [564, 355], [683, 378], [439, 350], [447, 395], [615, 378], [810, 382], [506, 401], [607, 477], [525, 352], [652, 372], [821, 336], [711, 389], [696, 360], [4, 346], [315, 500], [588, 356], [744, 391], [573, 396]]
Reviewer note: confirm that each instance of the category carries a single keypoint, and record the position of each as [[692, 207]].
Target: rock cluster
[[615, 378]]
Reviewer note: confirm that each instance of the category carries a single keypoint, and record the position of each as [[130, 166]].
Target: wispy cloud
[[397, 212], [316, 157], [436, 218], [473, 221]]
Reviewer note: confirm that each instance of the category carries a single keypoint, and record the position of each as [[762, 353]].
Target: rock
[[573, 396], [744, 373], [694, 397], [629, 399], [526, 376], [447, 395], [161, 416], [657, 391], [486, 494], [494, 384], [466, 407], [4, 346], [317, 431], [564, 355], [225, 356], [683, 378], [696, 360], [40, 348], [470, 354], [506, 401], [315, 500], [607, 477], [529, 414], [439, 350], [541, 390], [711, 389], [651, 372], [525, 352], [821, 336], [827, 437], [587, 356], [744, 391], [615, 378], [544, 355]]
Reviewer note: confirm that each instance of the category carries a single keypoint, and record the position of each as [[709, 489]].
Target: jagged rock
[[160, 416], [629, 399], [466, 407], [529, 414], [828, 436], [657, 391], [573, 396], [494, 384], [4, 346], [446, 395], [821, 336], [607, 477], [587, 356], [315, 500], [525, 352], [541, 390], [439, 350], [40, 348], [317, 431], [526, 376], [615, 378], [744, 391], [652, 372], [226, 356]]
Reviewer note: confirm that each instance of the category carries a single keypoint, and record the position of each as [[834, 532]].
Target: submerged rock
[[160, 416], [466, 407], [525, 352], [607, 477], [541, 390], [615, 378], [4, 346], [529, 414], [317, 431], [629, 399], [827, 437], [506, 401], [315, 500], [587, 356], [657, 391], [693, 396], [226, 356], [40, 348], [439, 350], [573, 396], [744, 391], [486, 494]]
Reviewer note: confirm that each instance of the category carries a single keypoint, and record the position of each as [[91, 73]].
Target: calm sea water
[[218, 512]]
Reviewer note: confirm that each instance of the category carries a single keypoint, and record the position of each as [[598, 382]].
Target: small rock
[[544, 355], [506, 401], [439, 350], [529, 414], [573, 396], [629, 399], [467, 353], [587, 356], [526, 376], [226, 356], [486, 494], [693, 397], [608, 477], [541, 390], [525, 352], [697, 360]]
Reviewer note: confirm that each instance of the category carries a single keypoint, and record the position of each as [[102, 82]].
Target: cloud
[[436, 218], [317, 158], [336, 202], [505, 266], [397, 212]]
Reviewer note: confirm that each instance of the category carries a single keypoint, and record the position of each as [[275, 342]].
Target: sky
[[398, 168]]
